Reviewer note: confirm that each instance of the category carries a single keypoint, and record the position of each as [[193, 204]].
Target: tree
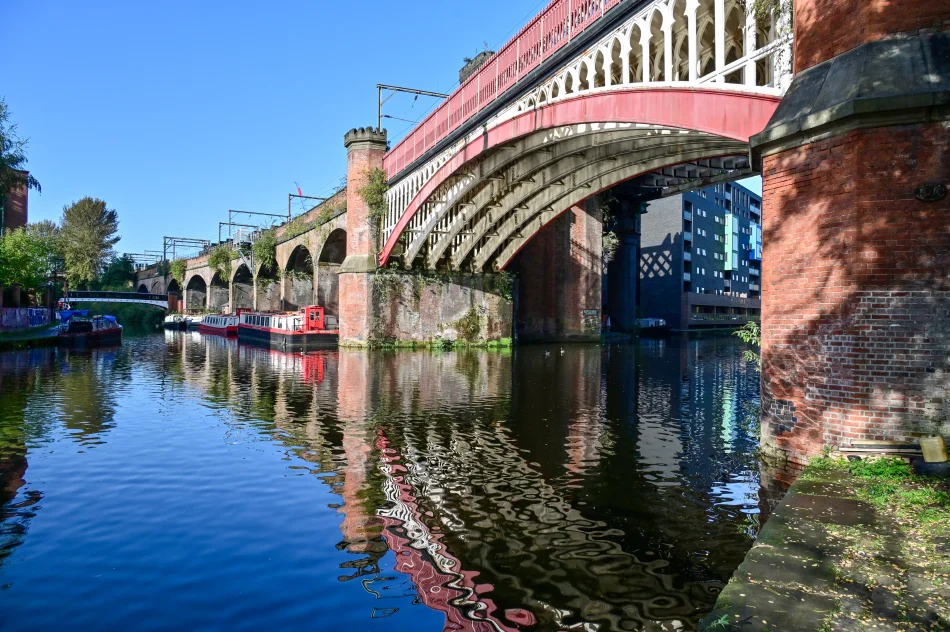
[[751, 333], [49, 241], [23, 260], [12, 157], [88, 235], [119, 274]]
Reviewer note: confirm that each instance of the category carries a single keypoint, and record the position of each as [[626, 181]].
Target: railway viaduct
[[492, 220]]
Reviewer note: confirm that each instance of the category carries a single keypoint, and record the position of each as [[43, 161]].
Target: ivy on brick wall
[[220, 260], [177, 269]]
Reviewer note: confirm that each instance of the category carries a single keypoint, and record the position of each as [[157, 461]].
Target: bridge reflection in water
[[594, 488]]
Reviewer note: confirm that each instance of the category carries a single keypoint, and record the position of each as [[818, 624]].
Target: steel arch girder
[[533, 167], [602, 181], [654, 158], [504, 158]]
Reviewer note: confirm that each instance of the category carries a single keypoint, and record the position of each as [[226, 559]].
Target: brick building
[[13, 209], [701, 257]]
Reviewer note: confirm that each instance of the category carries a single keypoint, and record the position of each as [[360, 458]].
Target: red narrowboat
[[219, 324], [309, 328]]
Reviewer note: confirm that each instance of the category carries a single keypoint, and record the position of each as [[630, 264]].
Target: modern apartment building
[[701, 258]]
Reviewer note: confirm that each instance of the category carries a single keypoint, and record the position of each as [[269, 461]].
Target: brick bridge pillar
[[560, 272], [856, 268], [365, 150]]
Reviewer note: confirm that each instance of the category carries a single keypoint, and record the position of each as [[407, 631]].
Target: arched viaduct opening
[[196, 293], [328, 277], [242, 289], [217, 294], [268, 288], [143, 288], [298, 279], [175, 302]]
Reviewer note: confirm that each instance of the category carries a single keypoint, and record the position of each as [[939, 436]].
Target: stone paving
[[843, 552]]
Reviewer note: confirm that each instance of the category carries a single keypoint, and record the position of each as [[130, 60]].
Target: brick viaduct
[[856, 264]]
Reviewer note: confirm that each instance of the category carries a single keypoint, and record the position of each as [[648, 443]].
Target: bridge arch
[[175, 295], [495, 188], [196, 292], [298, 278], [242, 288], [218, 294], [267, 284], [143, 288], [331, 255]]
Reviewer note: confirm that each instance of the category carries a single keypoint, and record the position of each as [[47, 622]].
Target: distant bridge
[[140, 298]]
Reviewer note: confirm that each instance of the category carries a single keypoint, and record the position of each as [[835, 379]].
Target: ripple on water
[[182, 481]]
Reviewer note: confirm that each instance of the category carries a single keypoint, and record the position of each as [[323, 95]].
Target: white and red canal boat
[[309, 328], [220, 324]]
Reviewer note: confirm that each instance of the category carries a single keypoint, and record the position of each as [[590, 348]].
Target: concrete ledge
[[358, 264], [896, 81]]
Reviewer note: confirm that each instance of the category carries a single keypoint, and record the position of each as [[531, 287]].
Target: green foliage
[[295, 228], [265, 249], [751, 334], [220, 261], [890, 469], [764, 9], [387, 283], [119, 274], [505, 284], [89, 231], [373, 193], [23, 260], [177, 269], [469, 326], [12, 157], [611, 243]]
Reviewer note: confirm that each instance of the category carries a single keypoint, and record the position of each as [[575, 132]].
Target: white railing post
[[691, 7], [720, 39], [748, 47]]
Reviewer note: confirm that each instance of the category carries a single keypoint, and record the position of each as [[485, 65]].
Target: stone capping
[[895, 81], [281, 241], [358, 264], [365, 138]]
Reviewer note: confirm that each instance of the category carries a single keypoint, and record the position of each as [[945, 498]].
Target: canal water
[[187, 482]]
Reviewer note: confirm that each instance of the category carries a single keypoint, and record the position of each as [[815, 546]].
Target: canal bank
[[862, 545], [29, 338]]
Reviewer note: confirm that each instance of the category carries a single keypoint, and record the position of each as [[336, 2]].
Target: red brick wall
[[359, 237], [15, 212], [355, 289], [856, 289], [827, 28], [560, 271]]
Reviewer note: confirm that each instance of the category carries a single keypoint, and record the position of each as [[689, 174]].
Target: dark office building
[[701, 258]]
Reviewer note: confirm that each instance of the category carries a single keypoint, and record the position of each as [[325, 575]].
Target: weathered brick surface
[[856, 290], [363, 156], [355, 309], [15, 212], [826, 28], [560, 272]]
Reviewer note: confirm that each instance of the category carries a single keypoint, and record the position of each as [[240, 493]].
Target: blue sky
[[175, 112]]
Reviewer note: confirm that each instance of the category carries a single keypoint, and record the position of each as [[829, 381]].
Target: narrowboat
[[77, 329], [219, 324], [175, 321], [309, 328]]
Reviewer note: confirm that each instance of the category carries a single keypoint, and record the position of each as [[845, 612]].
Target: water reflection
[[547, 488]]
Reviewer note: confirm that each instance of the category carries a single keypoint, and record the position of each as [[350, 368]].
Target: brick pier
[[856, 272]]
